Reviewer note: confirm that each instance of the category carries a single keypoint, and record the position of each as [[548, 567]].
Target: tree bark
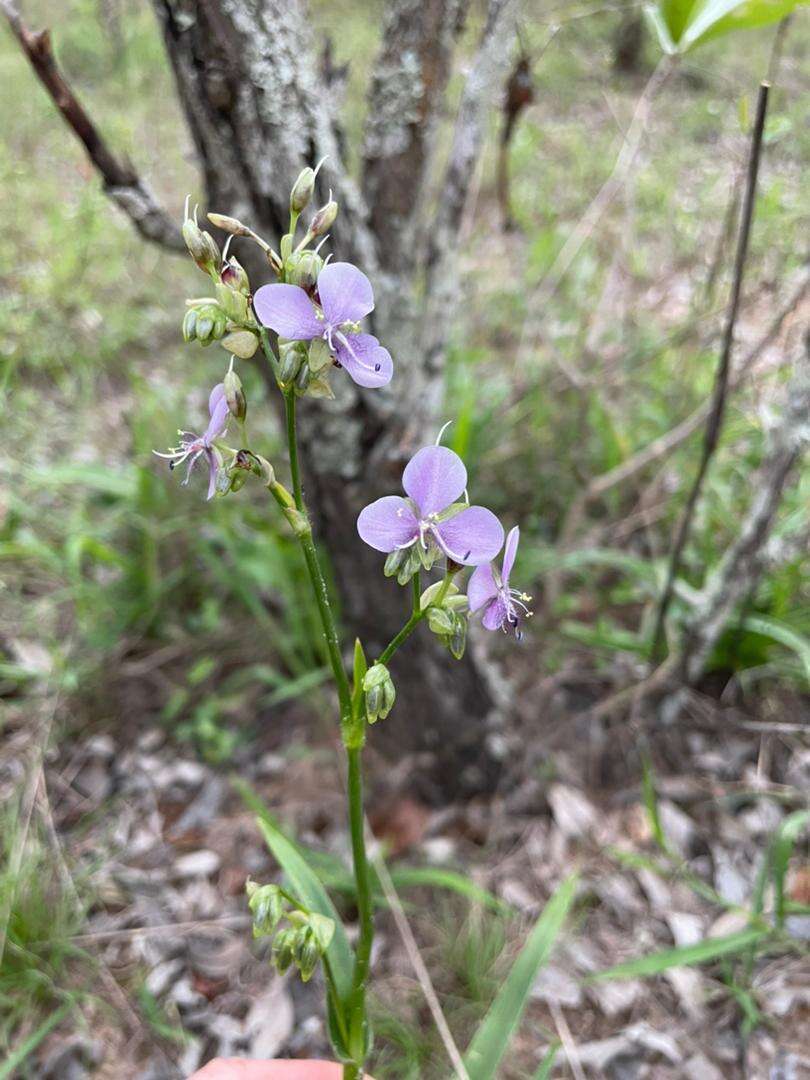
[[248, 79]]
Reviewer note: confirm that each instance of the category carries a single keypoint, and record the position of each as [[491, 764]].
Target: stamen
[[443, 429]]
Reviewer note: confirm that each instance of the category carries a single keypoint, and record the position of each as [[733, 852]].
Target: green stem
[[417, 614], [353, 731]]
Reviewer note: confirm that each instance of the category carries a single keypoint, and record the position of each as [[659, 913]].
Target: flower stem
[[353, 732], [417, 614]]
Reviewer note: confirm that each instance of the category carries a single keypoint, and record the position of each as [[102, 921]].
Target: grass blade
[[547, 1064], [9, 1067], [491, 1040], [699, 953]]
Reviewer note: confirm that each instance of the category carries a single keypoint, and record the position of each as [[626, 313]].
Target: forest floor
[[154, 847]]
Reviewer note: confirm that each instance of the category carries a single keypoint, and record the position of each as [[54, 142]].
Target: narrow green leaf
[[492, 1038], [651, 801], [782, 633], [700, 953], [439, 878], [781, 851], [547, 1064], [9, 1067]]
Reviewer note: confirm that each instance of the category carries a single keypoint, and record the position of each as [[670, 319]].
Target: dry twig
[[718, 403]]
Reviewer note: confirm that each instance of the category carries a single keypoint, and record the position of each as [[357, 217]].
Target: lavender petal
[[387, 524], [366, 361], [434, 478], [495, 614], [509, 553], [345, 293], [481, 587], [287, 310], [471, 537], [213, 467]]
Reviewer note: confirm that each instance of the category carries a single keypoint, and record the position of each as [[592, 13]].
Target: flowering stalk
[[308, 324]]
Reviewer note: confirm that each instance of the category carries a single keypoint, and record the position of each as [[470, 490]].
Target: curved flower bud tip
[[430, 517], [489, 589], [345, 298]]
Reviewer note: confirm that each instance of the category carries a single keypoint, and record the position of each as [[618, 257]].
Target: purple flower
[[192, 446], [490, 590], [345, 297], [434, 479]]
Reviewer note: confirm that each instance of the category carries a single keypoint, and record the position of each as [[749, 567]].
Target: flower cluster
[[431, 521]]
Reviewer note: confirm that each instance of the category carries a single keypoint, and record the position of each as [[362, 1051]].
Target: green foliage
[[683, 24], [491, 1040]]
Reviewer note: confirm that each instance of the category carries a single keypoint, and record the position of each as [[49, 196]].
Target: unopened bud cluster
[[380, 693], [447, 618], [302, 942]]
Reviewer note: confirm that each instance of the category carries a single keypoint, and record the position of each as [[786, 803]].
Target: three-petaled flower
[[489, 589], [192, 446], [434, 479], [344, 297]]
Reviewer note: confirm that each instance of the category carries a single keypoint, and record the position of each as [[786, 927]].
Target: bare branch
[[739, 572], [715, 419], [121, 182]]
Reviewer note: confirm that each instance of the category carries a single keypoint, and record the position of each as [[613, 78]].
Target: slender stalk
[[353, 732], [714, 422], [417, 614]]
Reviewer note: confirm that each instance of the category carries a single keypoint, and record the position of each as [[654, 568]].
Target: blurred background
[[155, 647]]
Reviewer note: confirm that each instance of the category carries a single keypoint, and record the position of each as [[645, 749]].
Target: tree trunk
[[250, 87]]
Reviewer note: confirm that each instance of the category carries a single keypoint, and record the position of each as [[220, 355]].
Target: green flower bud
[[284, 947], [302, 190], [292, 356], [440, 622], [324, 219], [394, 561], [235, 395], [233, 303], [458, 639], [242, 343], [190, 325], [267, 906], [323, 930], [380, 692], [205, 326], [302, 379], [302, 268]]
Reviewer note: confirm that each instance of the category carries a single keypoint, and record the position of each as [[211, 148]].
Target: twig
[[161, 929], [121, 182], [418, 965], [568, 1044], [715, 419]]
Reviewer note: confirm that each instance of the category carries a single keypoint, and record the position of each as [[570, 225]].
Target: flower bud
[[190, 325], [307, 955], [302, 379], [233, 303], [242, 343], [229, 224], [394, 561], [440, 622], [380, 692], [292, 356], [284, 948], [324, 219], [235, 276], [302, 268], [201, 245], [267, 905], [235, 395], [302, 190]]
